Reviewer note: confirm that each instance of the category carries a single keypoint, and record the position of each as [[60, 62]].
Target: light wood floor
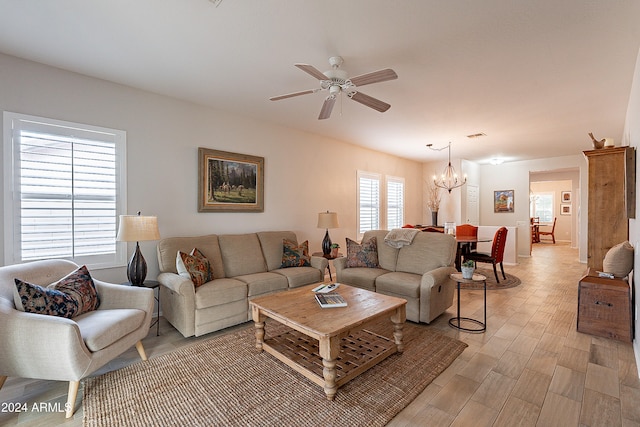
[[531, 367]]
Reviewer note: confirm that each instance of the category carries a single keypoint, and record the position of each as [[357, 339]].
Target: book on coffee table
[[330, 300]]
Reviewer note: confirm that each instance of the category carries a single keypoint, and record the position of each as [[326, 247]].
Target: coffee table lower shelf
[[359, 351]]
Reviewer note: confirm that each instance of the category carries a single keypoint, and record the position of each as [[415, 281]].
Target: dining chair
[[467, 231], [497, 253], [535, 228], [549, 233]]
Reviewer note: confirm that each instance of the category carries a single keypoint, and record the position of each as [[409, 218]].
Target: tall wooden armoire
[[611, 200]]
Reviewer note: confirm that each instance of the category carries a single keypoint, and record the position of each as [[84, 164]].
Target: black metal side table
[[152, 284], [455, 322]]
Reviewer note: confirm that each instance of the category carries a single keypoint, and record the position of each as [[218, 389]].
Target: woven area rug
[[224, 381], [511, 282]]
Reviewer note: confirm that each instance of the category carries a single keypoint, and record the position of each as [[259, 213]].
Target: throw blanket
[[399, 237]]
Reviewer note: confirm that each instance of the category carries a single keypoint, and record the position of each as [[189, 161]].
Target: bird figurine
[[597, 144]]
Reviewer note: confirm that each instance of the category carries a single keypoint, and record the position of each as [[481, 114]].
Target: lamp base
[[137, 268], [326, 244]]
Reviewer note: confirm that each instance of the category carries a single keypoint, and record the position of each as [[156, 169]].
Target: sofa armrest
[[340, 264], [178, 284], [436, 282], [319, 262]]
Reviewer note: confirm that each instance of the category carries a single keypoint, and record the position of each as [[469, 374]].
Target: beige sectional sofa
[[418, 272], [244, 266]]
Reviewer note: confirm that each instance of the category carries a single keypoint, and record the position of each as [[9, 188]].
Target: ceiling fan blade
[[327, 107], [374, 77], [310, 69], [291, 95], [369, 101]]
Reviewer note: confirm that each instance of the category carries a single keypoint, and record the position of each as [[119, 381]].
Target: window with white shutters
[[395, 202], [66, 191], [368, 202]]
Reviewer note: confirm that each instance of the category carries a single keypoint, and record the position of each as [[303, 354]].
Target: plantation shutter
[[395, 203], [369, 202], [65, 193]]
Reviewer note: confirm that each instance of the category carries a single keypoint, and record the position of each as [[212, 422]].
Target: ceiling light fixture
[[496, 161], [449, 178]]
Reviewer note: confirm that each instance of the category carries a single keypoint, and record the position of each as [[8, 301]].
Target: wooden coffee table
[[328, 345]]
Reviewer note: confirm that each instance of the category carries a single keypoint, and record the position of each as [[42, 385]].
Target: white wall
[[631, 137], [304, 173]]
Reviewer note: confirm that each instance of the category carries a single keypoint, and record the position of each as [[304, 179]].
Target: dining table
[[466, 241]]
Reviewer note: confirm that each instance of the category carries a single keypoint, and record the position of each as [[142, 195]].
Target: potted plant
[[334, 250], [467, 269]]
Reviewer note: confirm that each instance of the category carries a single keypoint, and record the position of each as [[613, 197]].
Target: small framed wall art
[[503, 201], [565, 209], [230, 182], [565, 197]]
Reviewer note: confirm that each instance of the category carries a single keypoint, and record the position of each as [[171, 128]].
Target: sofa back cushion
[[272, 243], [168, 250], [427, 252], [387, 255], [242, 254]]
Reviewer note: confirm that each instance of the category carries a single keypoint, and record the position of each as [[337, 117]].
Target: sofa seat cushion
[[299, 276], [362, 277], [264, 283], [101, 328], [399, 283], [219, 292]]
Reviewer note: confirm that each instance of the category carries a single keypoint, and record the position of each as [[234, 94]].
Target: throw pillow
[[69, 297], [294, 255], [40, 300], [619, 260], [362, 255], [194, 266], [80, 287]]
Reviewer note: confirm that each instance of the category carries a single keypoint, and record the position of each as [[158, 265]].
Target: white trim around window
[[64, 188]]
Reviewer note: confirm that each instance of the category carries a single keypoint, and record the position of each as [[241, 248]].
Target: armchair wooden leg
[[141, 352], [2, 380], [71, 398]]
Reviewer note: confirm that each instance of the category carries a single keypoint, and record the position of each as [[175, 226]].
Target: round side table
[[455, 322]]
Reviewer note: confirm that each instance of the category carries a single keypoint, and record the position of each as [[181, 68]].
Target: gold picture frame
[[230, 182]]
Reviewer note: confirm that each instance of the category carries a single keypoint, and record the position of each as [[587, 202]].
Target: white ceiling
[[535, 76]]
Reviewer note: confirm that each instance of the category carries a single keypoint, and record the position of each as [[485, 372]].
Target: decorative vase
[[467, 272], [434, 218]]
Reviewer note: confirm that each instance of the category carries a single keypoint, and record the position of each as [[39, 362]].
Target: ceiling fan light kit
[[336, 81]]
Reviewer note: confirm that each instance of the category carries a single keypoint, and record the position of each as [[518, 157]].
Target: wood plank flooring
[[530, 368]]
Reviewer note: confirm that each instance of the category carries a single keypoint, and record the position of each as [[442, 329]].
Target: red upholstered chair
[[497, 252], [470, 231]]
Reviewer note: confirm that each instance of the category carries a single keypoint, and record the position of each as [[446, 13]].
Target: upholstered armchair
[[68, 349]]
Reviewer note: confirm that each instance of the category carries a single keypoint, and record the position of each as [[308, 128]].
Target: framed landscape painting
[[503, 201], [230, 182]]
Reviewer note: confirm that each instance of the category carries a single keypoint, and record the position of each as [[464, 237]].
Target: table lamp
[[137, 228], [327, 220]]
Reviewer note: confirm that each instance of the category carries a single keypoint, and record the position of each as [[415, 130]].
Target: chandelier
[[449, 178]]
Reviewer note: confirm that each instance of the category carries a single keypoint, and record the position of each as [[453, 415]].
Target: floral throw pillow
[[195, 266], [79, 286], [69, 297], [294, 255], [40, 300], [362, 255]]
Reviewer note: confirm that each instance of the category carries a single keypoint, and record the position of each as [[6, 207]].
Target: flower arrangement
[[433, 198], [468, 263]]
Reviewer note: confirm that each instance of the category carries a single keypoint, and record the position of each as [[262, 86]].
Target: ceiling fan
[[337, 81]]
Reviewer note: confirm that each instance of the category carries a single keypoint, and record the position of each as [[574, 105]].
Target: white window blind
[[66, 192], [395, 202], [542, 206], [368, 202]]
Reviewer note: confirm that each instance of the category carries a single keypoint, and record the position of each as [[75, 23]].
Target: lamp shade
[[137, 228], [328, 220]]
